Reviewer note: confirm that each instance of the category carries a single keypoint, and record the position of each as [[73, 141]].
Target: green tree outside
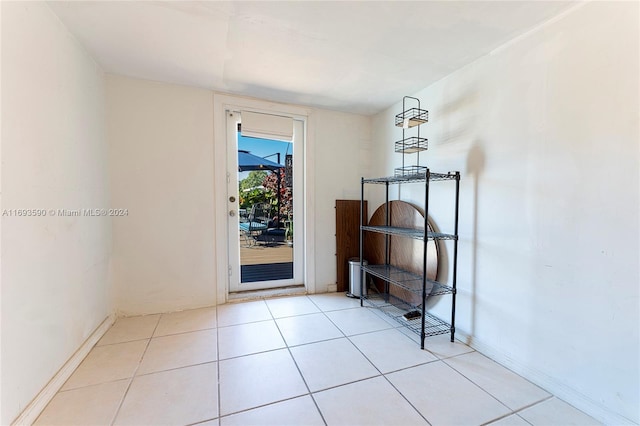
[[251, 190]]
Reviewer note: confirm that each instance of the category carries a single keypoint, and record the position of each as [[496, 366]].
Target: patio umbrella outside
[[248, 162]]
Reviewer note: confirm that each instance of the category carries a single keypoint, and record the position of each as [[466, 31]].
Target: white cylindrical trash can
[[355, 275]]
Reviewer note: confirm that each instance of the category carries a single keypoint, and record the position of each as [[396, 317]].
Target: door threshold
[[241, 296]]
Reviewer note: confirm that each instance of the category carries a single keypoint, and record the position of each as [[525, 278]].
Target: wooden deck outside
[[261, 254]]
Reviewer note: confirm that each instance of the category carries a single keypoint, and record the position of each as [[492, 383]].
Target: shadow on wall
[[456, 117], [456, 121], [475, 167]]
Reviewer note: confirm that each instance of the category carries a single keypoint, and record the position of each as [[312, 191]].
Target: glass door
[[265, 220]]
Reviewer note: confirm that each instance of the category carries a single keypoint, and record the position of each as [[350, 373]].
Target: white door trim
[[235, 285], [222, 103]]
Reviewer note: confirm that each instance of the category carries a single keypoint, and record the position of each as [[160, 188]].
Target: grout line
[[492, 421], [298, 368], [515, 413], [509, 370], [253, 353], [520, 410], [389, 381], [176, 368], [506, 368], [364, 379], [406, 399], [183, 332], [481, 388], [289, 349], [93, 384], [523, 419], [306, 314], [218, 360], [218, 325], [260, 406], [438, 356], [203, 421], [245, 323], [333, 310], [374, 366], [126, 392], [120, 343], [411, 366], [334, 324], [256, 353], [310, 393], [314, 342]]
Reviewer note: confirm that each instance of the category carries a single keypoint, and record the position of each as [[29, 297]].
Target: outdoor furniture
[[257, 223], [248, 162]]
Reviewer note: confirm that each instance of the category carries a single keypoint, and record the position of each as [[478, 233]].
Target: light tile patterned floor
[[302, 360]]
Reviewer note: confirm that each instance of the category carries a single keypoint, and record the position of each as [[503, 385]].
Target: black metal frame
[[409, 118], [429, 325]]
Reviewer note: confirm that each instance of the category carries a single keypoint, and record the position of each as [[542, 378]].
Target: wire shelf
[[417, 234], [412, 145], [410, 171], [412, 117], [408, 280], [396, 308], [414, 178], [433, 177]]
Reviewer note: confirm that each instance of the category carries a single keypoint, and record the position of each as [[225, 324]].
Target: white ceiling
[[357, 57]]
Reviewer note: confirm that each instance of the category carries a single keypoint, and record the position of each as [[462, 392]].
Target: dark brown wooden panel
[[347, 237]]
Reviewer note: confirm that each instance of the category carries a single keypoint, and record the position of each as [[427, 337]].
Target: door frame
[[235, 276], [221, 104]]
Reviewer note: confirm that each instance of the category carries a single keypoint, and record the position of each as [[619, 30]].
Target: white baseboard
[[548, 383], [39, 403]]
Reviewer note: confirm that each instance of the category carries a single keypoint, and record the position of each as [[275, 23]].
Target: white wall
[[341, 151], [55, 270], [162, 168], [161, 161], [545, 133]]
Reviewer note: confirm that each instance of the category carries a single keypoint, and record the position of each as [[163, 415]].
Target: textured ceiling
[[350, 56]]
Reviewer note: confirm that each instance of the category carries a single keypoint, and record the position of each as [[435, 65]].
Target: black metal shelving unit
[[425, 324]]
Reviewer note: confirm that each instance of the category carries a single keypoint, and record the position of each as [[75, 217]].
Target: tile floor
[[303, 360]]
